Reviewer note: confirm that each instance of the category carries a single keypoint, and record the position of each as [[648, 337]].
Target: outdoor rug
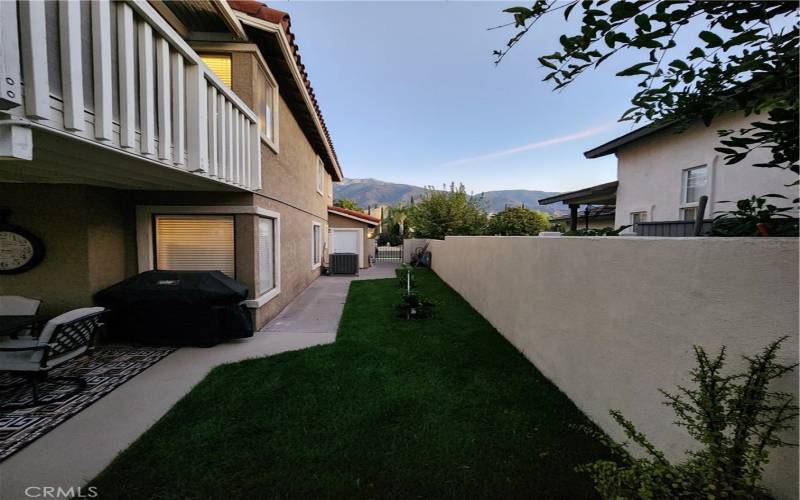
[[108, 368]]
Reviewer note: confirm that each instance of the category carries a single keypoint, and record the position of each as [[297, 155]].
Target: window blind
[[317, 243], [195, 243], [266, 255], [220, 64]]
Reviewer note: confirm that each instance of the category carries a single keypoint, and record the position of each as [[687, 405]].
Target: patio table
[[13, 324]]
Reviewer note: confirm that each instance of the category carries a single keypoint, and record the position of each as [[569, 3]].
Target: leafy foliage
[[405, 277], [412, 305], [395, 218], [752, 212], [415, 306], [735, 418], [447, 213], [518, 221], [346, 203], [603, 231], [740, 44]]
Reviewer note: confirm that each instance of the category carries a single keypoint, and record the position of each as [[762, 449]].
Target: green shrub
[[752, 212], [736, 420], [603, 231], [414, 306]]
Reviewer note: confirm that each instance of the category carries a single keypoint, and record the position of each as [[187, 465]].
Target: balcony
[[107, 93]]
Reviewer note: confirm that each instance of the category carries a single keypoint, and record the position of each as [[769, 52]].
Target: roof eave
[[601, 193], [613, 145], [354, 217], [278, 31]]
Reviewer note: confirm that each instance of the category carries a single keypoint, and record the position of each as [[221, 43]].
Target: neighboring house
[[379, 212], [663, 174], [589, 217], [161, 135], [349, 232]]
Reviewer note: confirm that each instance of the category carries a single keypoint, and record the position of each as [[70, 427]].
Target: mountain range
[[367, 192]]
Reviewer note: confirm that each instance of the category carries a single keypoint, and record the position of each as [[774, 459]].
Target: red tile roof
[[261, 11], [355, 213]]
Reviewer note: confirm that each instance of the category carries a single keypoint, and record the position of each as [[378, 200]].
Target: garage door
[[345, 241]]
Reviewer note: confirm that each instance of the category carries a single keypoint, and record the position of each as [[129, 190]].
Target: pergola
[[602, 194]]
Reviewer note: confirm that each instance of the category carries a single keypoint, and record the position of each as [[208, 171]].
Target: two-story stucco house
[[662, 174], [138, 135]]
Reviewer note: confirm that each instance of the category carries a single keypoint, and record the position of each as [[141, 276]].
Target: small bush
[[735, 418], [414, 306], [603, 231]]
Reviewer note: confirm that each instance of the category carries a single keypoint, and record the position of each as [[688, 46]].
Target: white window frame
[[684, 179], [320, 177], [228, 48], [145, 236], [273, 142], [315, 265], [276, 235], [638, 212]]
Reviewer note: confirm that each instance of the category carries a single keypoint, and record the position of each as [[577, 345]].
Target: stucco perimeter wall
[[611, 320], [410, 245]]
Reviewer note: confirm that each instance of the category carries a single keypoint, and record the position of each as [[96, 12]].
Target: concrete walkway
[[77, 450]]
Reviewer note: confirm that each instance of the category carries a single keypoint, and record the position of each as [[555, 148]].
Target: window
[[266, 255], [694, 184], [637, 217], [220, 64], [266, 94], [320, 176], [195, 243], [316, 245]]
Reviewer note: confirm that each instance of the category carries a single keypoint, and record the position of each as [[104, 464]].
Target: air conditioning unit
[[344, 263]]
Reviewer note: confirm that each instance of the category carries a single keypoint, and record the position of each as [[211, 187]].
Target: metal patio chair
[[17, 305], [63, 338]]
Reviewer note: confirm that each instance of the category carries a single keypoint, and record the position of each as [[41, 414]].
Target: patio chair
[[63, 338], [17, 305]]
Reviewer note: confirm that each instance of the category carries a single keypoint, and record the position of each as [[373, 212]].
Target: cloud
[[533, 145]]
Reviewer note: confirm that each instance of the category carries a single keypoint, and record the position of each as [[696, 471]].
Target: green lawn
[[437, 408]]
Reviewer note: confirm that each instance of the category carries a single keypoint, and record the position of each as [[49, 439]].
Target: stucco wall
[[289, 187], [650, 172], [611, 320], [335, 221], [86, 245], [410, 245]]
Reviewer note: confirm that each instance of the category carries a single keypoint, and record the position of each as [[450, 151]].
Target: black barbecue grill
[[177, 308]]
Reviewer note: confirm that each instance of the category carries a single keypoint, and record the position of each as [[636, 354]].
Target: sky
[[411, 94]]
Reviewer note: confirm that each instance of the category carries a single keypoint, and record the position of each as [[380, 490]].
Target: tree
[[397, 215], [346, 203], [518, 221], [744, 61], [447, 213]]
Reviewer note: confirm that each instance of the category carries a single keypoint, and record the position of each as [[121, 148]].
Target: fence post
[[699, 215]]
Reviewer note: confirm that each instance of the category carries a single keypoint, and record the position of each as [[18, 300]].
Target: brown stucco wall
[[289, 188], [335, 221], [83, 230]]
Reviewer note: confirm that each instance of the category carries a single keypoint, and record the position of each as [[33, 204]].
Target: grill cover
[[199, 308]]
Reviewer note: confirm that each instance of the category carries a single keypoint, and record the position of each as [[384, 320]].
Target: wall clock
[[20, 250]]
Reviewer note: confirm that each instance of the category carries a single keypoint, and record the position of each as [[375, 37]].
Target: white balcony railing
[[115, 73]]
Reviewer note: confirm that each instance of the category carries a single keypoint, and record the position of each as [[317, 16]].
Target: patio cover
[[602, 194]]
